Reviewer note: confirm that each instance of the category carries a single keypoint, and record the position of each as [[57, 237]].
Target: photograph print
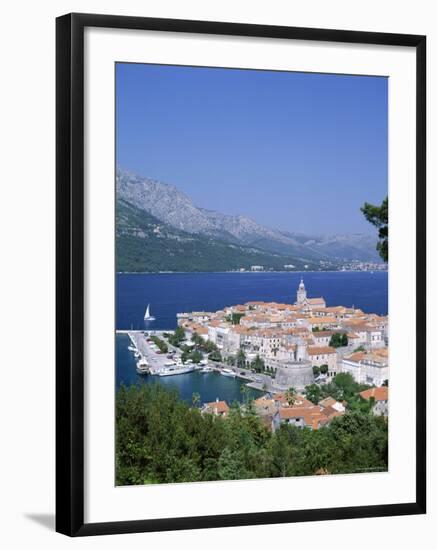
[[251, 336]]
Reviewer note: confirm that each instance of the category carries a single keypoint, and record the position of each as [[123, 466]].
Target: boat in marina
[[176, 369], [147, 316], [228, 372], [132, 348], [142, 366], [206, 369]]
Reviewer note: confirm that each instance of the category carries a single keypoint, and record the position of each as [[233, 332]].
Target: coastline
[[253, 272]]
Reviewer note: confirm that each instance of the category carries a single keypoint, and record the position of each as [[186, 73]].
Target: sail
[[147, 316]]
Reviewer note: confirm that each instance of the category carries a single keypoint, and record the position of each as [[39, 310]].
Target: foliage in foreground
[[160, 439], [378, 216]]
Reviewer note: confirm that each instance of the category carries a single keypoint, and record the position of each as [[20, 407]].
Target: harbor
[[160, 364], [207, 381], [257, 346]]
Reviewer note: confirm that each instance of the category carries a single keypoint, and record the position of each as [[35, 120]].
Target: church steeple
[[301, 294]]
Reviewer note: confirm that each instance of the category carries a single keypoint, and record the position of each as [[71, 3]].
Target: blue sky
[[294, 151]]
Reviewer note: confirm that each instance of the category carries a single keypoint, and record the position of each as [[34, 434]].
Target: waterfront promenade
[[138, 339]]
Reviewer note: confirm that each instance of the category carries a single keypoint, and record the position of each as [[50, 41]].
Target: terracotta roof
[[238, 329], [265, 406], [322, 333], [217, 407], [382, 352], [300, 401], [296, 412], [327, 402], [321, 350], [313, 416], [316, 300], [356, 357], [379, 394], [322, 320]]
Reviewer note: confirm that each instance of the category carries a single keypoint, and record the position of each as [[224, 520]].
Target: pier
[[138, 339]]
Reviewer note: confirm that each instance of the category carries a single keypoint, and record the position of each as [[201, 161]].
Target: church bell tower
[[301, 294]]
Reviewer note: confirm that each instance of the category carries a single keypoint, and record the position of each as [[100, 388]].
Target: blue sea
[[171, 293], [209, 386]]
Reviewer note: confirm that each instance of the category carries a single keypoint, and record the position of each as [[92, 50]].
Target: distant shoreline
[[251, 272]]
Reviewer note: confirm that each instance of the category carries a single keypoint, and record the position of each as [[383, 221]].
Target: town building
[[218, 408], [324, 355], [380, 397], [367, 367], [293, 338]]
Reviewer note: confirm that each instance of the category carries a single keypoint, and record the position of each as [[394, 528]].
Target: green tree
[[281, 453], [324, 369], [162, 439], [257, 364], [209, 346], [316, 370], [195, 399], [290, 395], [177, 337], [196, 356], [160, 343], [241, 359], [215, 356], [235, 318], [197, 339], [313, 393], [230, 465], [378, 216], [338, 339], [246, 393]]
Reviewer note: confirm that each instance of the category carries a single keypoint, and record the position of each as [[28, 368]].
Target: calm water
[[209, 385], [171, 293]]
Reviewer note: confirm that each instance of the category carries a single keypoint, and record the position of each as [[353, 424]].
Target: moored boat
[[206, 369], [176, 369], [142, 366], [228, 372]]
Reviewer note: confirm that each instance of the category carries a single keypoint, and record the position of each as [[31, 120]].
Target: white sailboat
[[147, 316]]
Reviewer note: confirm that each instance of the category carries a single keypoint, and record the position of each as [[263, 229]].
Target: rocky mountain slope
[[145, 244], [169, 205]]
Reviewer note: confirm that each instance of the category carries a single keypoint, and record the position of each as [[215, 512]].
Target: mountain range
[[145, 203]]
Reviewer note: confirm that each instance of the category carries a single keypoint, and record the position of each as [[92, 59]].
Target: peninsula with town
[[291, 352], [285, 346], [314, 382]]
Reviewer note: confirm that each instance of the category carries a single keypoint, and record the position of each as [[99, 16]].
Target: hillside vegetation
[[145, 244], [160, 439]]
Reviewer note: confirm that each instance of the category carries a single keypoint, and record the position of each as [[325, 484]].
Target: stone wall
[[294, 375]]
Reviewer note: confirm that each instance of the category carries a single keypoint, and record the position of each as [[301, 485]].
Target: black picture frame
[[70, 273]]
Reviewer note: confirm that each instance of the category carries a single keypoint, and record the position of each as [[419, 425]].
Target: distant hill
[[145, 244], [355, 246], [173, 208]]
